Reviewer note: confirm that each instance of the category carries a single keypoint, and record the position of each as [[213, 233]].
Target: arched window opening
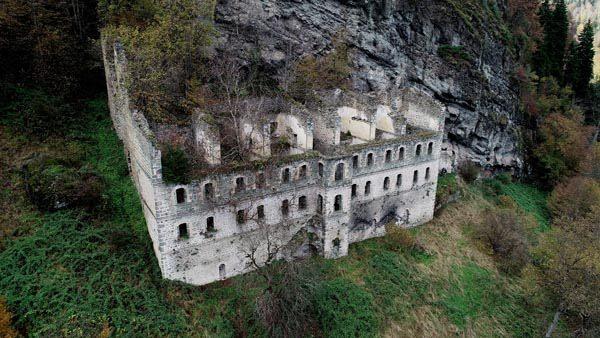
[[285, 208], [354, 188], [337, 203], [260, 212], [183, 231], [399, 180], [180, 193], [320, 204], [302, 172], [210, 224], [386, 183], [368, 188], [388, 156], [339, 172], [260, 180], [336, 243], [430, 148], [222, 273], [302, 202], [415, 177], [401, 154], [418, 152], [285, 177], [355, 161], [320, 169], [241, 217], [240, 185], [209, 191], [427, 174], [370, 159]]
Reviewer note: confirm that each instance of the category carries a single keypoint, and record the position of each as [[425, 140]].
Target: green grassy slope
[[80, 274]]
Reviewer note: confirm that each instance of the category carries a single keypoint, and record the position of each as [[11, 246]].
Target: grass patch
[[531, 200]]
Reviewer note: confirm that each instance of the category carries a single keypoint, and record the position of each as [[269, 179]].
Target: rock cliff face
[[403, 43]]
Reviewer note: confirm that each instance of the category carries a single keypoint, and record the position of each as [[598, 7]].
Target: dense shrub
[[175, 165], [469, 171], [447, 187], [574, 198], [53, 185], [454, 54], [344, 309], [503, 231], [401, 240]]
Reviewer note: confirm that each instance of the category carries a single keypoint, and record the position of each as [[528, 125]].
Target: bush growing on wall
[[175, 165]]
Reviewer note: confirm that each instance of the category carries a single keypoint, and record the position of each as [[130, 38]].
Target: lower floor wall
[[329, 236]]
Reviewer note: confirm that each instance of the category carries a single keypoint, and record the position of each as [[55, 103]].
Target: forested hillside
[[504, 256]]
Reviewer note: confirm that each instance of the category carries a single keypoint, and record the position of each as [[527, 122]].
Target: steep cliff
[[451, 49]]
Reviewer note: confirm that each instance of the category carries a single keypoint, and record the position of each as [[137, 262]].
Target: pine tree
[[551, 55], [571, 65], [585, 60]]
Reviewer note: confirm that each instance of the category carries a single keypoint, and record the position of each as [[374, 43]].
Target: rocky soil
[[397, 44]]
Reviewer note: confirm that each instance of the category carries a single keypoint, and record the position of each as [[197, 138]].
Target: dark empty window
[[339, 172], [388, 156], [285, 177], [183, 231], [209, 191], [418, 152], [354, 187], [260, 180], [260, 212], [285, 207], [302, 172], [427, 173], [302, 203], [180, 195], [241, 217], [370, 159], [368, 188], [273, 128], [320, 204], [336, 243], [355, 161], [386, 183], [320, 169], [415, 177], [210, 224], [222, 273], [337, 203], [430, 148], [239, 184], [399, 180], [295, 139], [401, 154]]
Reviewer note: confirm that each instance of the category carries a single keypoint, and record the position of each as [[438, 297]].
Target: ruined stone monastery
[[360, 163]]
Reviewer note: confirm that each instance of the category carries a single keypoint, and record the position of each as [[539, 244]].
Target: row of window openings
[[386, 183], [240, 184], [242, 217]]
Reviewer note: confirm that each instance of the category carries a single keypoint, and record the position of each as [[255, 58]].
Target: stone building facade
[[351, 168]]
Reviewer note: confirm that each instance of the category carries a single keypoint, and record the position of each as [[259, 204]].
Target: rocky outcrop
[[398, 44]]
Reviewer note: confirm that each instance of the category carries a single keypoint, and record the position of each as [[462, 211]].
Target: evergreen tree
[[571, 65], [551, 55], [585, 60]]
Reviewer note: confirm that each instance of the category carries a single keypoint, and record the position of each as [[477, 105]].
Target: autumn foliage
[[5, 321]]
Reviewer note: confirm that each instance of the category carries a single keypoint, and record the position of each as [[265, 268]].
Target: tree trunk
[[552, 326]]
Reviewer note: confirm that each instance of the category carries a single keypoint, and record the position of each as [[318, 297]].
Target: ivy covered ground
[[83, 272]]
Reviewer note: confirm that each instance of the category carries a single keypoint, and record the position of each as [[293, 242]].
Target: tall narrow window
[[209, 191], [260, 180], [386, 183], [180, 195], [239, 184], [302, 172], [320, 204], [388, 156], [210, 224], [260, 212], [416, 177], [285, 177], [401, 154], [337, 203], [285, 208], [222, 273], [370, 159], [241, 217], [368, 188], [183, 231], [339, 172], [302, 203], [399, 180], [418, 151], [430, 148], [355, 161], [427, 174], [320, 169], [354, 188]]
